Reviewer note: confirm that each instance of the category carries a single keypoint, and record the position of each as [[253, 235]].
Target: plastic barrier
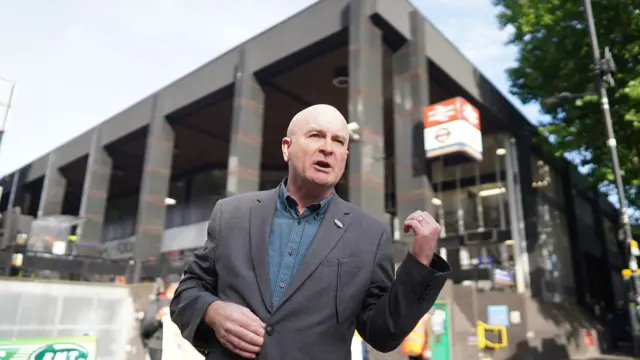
[[64, 348], [50, 310], [481, 331]]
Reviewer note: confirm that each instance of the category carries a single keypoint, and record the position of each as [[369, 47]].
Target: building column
[[53, 189], [16, 198], [245, 146], [17, 192], [529, 205], [156, 172], [366, 108], [516, 215], [411, 95], [94, 197]]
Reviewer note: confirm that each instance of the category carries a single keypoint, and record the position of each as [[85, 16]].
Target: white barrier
[[33, 309]]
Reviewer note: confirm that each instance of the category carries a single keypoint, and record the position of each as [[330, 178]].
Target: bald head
[[316, 148], [318, 115]]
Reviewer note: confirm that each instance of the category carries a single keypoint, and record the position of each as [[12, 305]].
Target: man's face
[[317, 151]]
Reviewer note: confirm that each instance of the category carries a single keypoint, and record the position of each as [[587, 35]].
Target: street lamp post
[[5, 104], [603, 69]]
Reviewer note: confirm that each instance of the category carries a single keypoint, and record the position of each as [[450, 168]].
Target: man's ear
[[286, 146]]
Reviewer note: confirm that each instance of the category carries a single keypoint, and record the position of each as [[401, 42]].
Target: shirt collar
[[289, 202]]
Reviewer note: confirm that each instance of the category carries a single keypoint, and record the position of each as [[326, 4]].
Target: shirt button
[[290, 251], [281, 284]]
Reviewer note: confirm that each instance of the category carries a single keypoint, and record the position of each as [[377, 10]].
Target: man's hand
[[426, 233], [237, 328], [161, 313]]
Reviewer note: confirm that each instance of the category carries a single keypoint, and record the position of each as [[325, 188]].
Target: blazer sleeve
[[391, 309], [198, 288]]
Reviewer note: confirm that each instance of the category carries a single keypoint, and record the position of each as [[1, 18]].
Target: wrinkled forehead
[[330, 122]]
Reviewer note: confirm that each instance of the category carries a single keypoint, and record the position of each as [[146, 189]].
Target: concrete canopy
[[313, 24], [313, 30]]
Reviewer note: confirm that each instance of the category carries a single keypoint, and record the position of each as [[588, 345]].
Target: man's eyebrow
[[334, 136], [312, 129]]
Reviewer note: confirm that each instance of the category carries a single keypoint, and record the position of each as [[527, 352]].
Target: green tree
[[555, 56]]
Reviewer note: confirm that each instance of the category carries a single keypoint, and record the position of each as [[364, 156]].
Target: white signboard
[[452, 126]]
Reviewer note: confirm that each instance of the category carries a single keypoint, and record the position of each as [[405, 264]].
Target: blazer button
[[269, 330]]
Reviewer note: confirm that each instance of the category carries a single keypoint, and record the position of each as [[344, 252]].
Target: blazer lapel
[[334, 224], [260, 219]]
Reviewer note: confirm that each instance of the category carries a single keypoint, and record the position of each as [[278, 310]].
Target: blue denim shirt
[[291, 235]]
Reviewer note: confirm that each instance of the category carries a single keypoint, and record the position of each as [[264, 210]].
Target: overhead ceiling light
[[169, 201], [491, 192], [341, 77], [341, 82], [501, 151], [508, 242], [436, 201]]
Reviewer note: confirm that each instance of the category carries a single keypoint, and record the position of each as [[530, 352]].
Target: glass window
[[553, 233], [546, 179], [473, 197], [585, 210], [206, 189], [178, 190], [610, 233], [175, 211], [209, 183], [586, 229], [618, 290], [460, 211], [270, 179], [120, 217]]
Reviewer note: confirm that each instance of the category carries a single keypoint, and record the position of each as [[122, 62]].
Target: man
[[290, 273], [151, 324]]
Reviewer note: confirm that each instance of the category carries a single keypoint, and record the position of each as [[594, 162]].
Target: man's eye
[[315, 135]]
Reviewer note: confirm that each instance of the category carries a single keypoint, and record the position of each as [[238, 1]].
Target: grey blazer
[[345, 282]]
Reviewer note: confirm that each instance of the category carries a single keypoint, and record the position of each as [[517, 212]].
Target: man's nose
[[327, 147]]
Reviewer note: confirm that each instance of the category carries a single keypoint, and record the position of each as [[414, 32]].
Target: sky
[[76, 63]]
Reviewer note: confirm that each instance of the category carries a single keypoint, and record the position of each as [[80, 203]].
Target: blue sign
[[498, 315]]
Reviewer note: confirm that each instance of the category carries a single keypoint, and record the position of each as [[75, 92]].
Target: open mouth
[[322, 164]]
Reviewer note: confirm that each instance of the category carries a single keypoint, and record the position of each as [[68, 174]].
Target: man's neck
[[305, 196]]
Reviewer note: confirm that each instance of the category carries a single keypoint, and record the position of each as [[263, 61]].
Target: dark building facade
[[146, 180]]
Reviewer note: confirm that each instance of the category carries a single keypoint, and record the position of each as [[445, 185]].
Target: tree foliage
[[555, 56]]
